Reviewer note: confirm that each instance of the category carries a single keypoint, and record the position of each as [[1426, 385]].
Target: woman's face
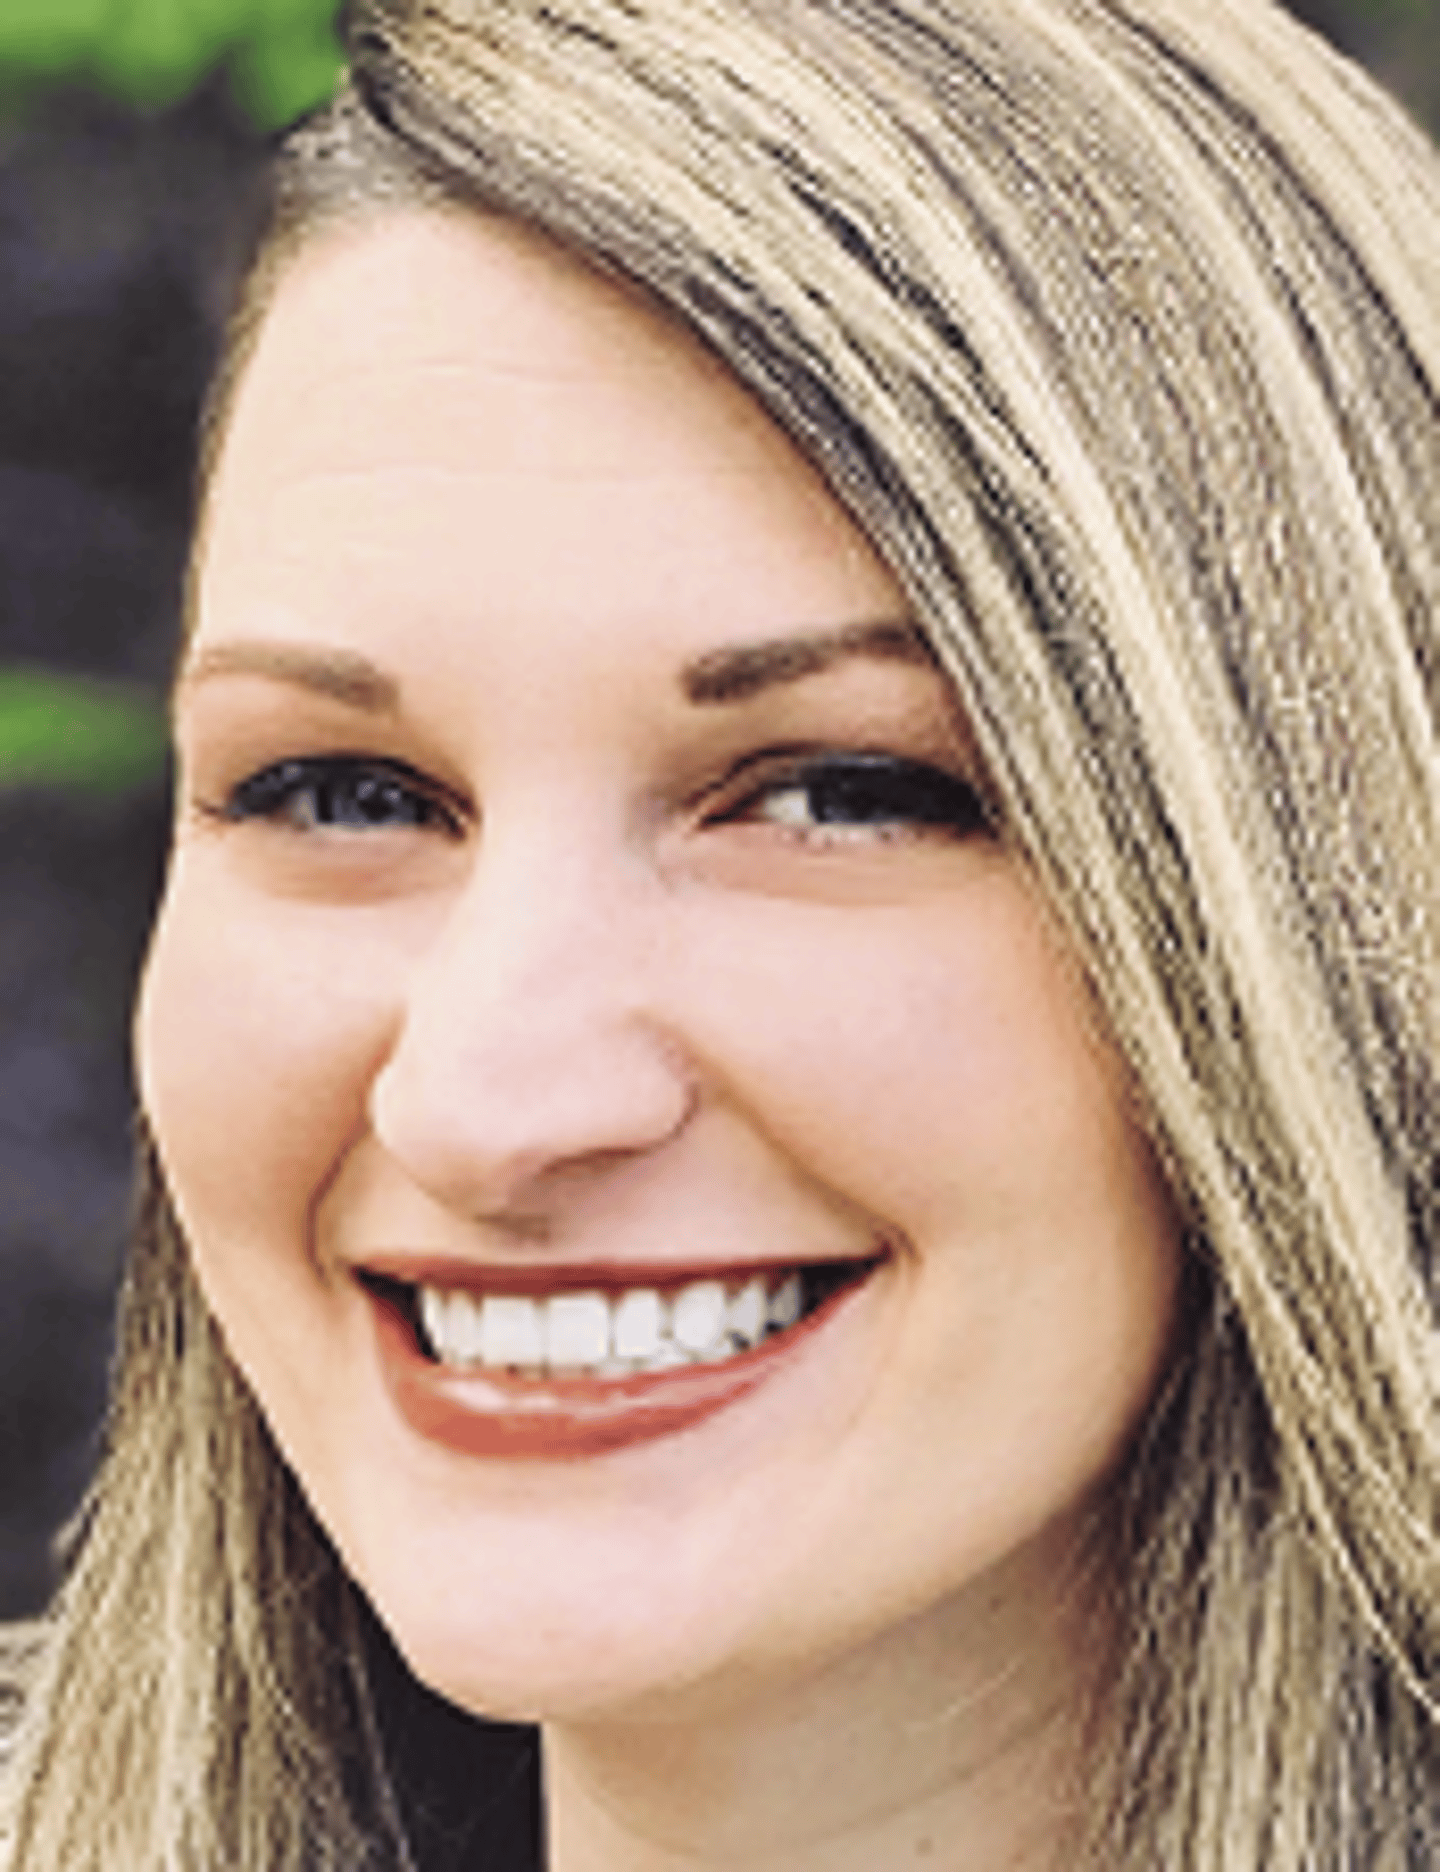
[[582, 923]]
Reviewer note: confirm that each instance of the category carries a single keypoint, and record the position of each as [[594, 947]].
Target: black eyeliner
[[873, 788], [264, 794]]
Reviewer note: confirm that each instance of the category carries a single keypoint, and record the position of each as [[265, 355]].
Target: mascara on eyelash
[[879, 790], [268, 793], [263, 792]]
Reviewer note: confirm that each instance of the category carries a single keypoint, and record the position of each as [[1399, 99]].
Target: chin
[[555, 1675]]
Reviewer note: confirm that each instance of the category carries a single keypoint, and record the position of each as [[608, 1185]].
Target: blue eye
[[344, 792], [875, 794]]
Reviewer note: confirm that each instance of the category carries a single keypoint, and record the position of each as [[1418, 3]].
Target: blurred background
[[132, 137]]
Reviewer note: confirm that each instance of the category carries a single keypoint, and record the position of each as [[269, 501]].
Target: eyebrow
[[736, 673], [730, 675], [341, 675]]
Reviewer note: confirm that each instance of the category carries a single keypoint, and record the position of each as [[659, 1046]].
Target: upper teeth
[[637, 1329]]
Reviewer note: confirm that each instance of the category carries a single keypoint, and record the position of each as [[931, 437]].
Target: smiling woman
[[530, 739], [788, 1058]]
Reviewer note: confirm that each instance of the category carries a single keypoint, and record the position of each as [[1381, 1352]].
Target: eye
[[344, 792], [843, 797]]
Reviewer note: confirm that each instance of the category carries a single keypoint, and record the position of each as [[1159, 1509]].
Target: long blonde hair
[[1116, 325]]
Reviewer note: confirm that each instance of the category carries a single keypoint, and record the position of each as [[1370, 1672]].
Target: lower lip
[[501, 1414]]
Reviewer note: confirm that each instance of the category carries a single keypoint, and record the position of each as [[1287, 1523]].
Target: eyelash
[[341, 790], [877, 795]]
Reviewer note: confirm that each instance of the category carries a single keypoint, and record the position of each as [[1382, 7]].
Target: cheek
[[255, 1043], [943, 1075], [933, 1062]]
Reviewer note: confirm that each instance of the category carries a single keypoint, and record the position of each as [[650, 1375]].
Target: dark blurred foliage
[[118, 231], [278, 57], [122, 208]]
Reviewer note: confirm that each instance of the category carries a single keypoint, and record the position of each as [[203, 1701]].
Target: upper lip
[[540, 1276]]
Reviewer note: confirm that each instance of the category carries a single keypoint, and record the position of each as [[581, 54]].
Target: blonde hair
[[1116, 325]]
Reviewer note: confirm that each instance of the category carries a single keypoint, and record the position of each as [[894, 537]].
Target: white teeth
[[510, 1334], [464, 1322], [667, 1355], [433, 1317], [639, 1324], [747, 1313], [577, 1330], [784, 1307], [607, 1335], [698, 1317]]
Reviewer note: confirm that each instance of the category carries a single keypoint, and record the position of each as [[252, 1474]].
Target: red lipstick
[[498, 1413]]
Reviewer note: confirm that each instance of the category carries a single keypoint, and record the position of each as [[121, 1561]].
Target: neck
[[950, 1743]]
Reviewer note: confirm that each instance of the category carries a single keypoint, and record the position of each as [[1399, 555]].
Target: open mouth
[[580, 1368], [612, 1332]]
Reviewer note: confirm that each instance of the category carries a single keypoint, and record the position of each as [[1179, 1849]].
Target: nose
[[530, 1041]]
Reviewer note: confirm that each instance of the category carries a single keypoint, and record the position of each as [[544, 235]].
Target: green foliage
[[282, 55], [78, 733], [283, 71]]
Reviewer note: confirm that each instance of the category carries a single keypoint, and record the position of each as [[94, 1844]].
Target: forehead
[[465, 302], [438, 386]]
